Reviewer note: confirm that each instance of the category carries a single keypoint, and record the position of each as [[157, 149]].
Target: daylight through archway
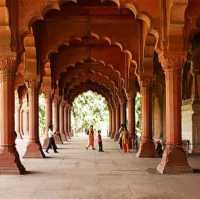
[[90, 108]]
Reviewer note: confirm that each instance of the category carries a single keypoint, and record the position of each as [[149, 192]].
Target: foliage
[[41, 115], [88, 109], [138, 115]]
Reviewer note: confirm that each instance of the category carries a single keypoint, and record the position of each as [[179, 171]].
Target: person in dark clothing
[[100, 143], [159, 149], [52, 143]]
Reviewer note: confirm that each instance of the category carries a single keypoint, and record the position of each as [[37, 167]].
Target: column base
[[174, 161], [34, 150], [45, 142], [146, 149], [196, 150], [58, 138], [112, 135], [67, 136], [10, 162], [63, 137]]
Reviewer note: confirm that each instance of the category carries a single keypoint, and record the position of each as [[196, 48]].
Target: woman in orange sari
[[125, 139], [90, 138]]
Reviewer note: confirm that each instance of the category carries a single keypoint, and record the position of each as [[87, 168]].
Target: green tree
[[138, 115], [88, 109], [41, 115]]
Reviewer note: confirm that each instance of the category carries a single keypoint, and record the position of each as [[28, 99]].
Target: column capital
[[145, 81], [122, 102], [196, 61], [8, 64], [56, 99], [7, 68], [131, 94], [47, 93], [172, 61], [32, 83]]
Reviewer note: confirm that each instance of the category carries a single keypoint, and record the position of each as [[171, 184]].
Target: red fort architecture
[[117, 48]]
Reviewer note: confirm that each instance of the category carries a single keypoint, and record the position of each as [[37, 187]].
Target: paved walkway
[[76, 173]]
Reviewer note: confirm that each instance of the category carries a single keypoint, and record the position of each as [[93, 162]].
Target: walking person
[[125, 139], [100, 142], [120, 135], [90, 138], [52, 143]]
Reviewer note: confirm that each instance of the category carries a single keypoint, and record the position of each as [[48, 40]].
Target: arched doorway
[[89, 108]]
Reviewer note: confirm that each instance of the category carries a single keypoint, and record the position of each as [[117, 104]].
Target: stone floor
[[75, 173]]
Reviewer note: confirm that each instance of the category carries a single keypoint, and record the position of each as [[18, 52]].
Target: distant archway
[[90, 108]]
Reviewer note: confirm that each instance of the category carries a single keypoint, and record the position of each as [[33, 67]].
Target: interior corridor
[[75, 173]]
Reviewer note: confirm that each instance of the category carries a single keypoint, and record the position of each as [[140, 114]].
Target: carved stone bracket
[[172, 61], [7, 66]]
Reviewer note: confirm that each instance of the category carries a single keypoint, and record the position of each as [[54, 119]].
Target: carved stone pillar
[[48, 115], [61, 120], [18, 106], [9, 158], [110, 122], [131, 117], [147, 148], [117, 117], [66, 120], [55, 116], [123, 112], [69, 122], [174, 158], [26, 119], [33, 149], [113, 122]]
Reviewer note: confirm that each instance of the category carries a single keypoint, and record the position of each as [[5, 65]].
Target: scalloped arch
[[101, 62], [96, 87], [57, 5]]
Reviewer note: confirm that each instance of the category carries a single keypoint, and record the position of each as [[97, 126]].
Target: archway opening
[[138, 114], [42, 116], [89, 108]]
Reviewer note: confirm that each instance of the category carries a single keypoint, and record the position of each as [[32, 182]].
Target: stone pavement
[[75, 173]]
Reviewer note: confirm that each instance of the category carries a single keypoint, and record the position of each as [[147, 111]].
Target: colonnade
[[60, 116], [57, 113]]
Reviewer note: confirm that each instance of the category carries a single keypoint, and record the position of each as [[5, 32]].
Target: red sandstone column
[[69, 123], [33, 149], [117, 118], [9, 158], [61, 120], [174, 158], [55, 116], [131, 116], [113, 122], [48, 115], [17, 119], [26, 112], [110, 122], [66, 120], [147, 148], [123, 112]]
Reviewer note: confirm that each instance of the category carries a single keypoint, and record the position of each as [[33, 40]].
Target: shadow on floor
[[154, 171], [155, 197]]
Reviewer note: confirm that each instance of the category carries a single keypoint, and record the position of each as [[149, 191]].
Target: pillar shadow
[[155, 172], [196, 171], [155, 197], [33, 172]]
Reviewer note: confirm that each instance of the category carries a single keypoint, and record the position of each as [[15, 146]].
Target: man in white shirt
[[52, 143]]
